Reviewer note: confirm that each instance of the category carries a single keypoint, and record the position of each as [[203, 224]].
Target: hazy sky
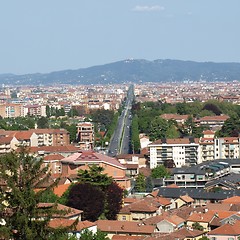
[[50, 35]]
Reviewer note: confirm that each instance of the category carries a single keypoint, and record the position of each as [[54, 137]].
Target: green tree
[[197, 226], [172, 132], [204, 238], [23, 173], [135, 135], [72, 129], [140, 183], [95, 177], [42, 122], [99, 235], [158, 128], [160, 172]]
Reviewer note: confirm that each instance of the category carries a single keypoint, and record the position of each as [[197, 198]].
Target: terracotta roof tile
[[91, 157], [112, 226], [232, 229]]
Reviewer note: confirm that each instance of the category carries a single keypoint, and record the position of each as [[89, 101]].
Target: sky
[[42, 36]]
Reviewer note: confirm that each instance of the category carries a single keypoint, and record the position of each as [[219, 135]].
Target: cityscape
[[119, 120]]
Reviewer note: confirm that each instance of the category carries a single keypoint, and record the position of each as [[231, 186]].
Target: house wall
[[124, 217], [165, 227], [222, 237], [204, 224]]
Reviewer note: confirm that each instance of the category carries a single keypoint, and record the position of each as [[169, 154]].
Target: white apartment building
[[188, 152], [182, 151]]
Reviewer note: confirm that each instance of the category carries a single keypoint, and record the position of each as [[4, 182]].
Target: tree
[[160, 172], [23, 218], [95, 177], [205, 238], [98, 190], [158, 128], [197, 226], [114, 198], [140, 183], [88, 198], [42, 122], [88, 235]]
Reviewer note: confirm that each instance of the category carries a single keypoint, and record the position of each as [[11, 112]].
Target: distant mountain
[[136, 71]]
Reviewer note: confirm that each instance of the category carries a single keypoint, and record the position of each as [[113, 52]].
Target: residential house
[[165, 223], [7, 144], [204, 219], [213, 122], [83, 159], [226, 232], [113, 227], [79, 228], [53, 162], [183, 201]]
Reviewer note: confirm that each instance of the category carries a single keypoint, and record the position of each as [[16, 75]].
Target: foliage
[[98, 190], [149, 185], [73, 112], [204, 238], [72, 129], [135, 135], [42, 123], [88, 235], [103, 118], [88, 198], [114, 197], [48, 197], [197, 226], [140, 183], [160, 172], [95, 177], [213, 108], [158, 128], [23, 173], [231, 127]]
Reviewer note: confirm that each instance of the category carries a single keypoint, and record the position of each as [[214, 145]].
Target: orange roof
[[235, 199], [201, 217], [232, 229], [187, 199], [124, 227], [61, 189], [222, 214], [53, 157], [62, 222]]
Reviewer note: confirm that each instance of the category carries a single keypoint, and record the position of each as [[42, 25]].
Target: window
[[124, 218]]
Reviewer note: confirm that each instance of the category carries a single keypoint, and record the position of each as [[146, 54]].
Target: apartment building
[[213, 122], [188, 152], [40, 137], [227, 147], [35, 110], [85, 135], [52, 137], [11, 110], [182, 151]]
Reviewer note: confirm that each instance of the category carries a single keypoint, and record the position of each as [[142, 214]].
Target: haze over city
[[45, 36]]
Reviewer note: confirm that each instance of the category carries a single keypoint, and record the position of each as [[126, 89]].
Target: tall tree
[[95, 176], [114, 198], [160, 172], [42, 122], [140, 183], [88, 198], [23, 218]]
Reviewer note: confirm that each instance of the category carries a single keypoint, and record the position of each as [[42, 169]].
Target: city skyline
[[45, 36]]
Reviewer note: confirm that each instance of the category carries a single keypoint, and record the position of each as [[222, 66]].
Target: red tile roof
[[112, 226], [91, 157], [232, 229], [62, 222]]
